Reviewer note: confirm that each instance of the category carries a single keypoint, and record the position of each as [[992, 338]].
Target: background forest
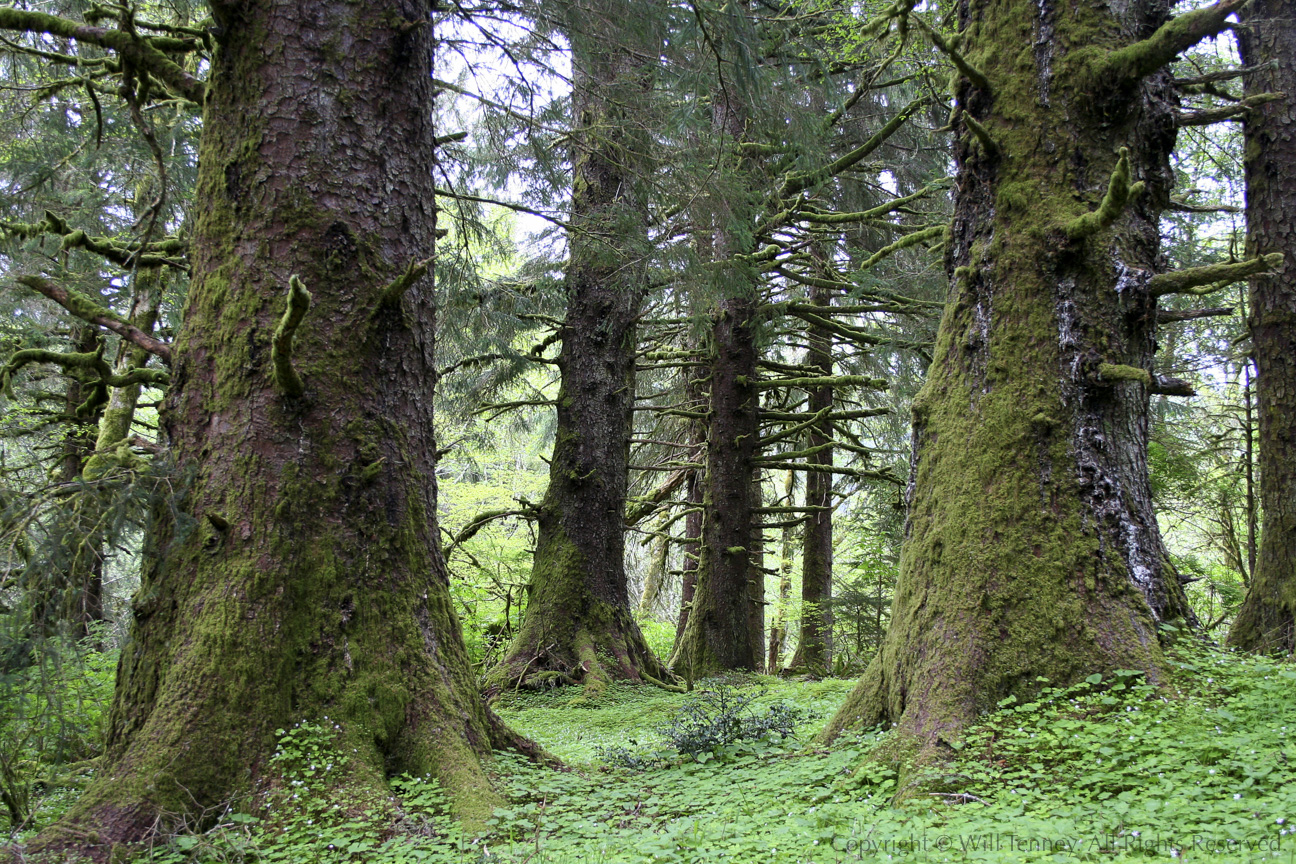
[[728, 352]]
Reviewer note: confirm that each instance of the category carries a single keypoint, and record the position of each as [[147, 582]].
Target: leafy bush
[[723, 715]]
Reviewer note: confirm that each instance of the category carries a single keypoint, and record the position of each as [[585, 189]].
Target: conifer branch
[[1228, 112], [281, 348], [643, 506], [481, 520], [1171, 38], [798, 182], [165, 253], [823, 381], [1113, 373], [966, 69], [1171, 316], [392, 294], [89, 367], [1212, 277], [982, 134], [141, 51], [833, 469], [1119, 193], [87, 310], [904, 243]]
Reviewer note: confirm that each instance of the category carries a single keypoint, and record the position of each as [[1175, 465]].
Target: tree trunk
[[1267, 619], [1031, 547], [304, 579], [692, 546], [578, 609], [719, 633], [778, 630], [814, 646]]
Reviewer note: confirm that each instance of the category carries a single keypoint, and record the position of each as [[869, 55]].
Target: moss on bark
[[1267, 618], [578, 627], [1031, 547], [289, 580]]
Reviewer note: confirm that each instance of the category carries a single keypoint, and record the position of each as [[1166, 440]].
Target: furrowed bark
[[1267, 39], [814, 646], [719, 634], [311, 582], [1031, 547], [578, 610]]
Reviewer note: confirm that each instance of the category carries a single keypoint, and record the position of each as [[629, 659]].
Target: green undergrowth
[[1113, 769]]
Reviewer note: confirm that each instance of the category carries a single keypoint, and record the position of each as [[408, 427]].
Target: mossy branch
[[1228, 112], [1176, 35], [1111, 373], [799, 182], [1212, 277], [87, 310], [1114, 373], [1119, 193], [481, 520], [169, 252], [833, 469], [966, 69], [139, 50], [392, 294], [1172, 316], [641, 508], [89, 367], [982, 134], [904, 243], [824, 381], [299, 300]]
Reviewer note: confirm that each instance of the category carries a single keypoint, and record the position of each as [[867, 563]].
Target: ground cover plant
[[1202, 768]]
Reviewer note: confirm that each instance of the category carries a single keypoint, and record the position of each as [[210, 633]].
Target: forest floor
[[1203, 769]]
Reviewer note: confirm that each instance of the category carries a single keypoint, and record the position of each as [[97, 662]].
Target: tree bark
[[1031, 548], [300, 576], [778, 629], [1267, 40], [814, 646], [579, 627]]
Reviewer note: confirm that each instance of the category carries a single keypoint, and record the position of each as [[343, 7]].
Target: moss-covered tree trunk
[[814, 647], [579, 627], [1267, 39], [1031, 548], [302, 577]]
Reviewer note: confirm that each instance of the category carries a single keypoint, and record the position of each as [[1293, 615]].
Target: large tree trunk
[[1267, 619], [719, 633], [304, 578], [578, 609], [1031, 547]]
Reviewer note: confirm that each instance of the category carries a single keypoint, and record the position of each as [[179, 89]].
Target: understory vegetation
[[1201, 768]]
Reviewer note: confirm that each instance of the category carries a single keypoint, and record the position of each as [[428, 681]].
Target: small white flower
[[1237, 796]]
